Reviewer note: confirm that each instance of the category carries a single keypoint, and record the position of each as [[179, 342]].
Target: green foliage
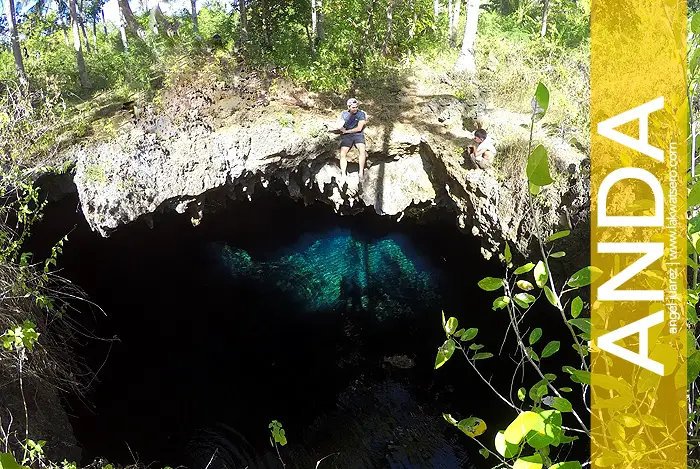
[[21, 336], [528, 441], [278, 434]]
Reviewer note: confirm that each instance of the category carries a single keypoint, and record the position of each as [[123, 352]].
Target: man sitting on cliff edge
[[352, 125]]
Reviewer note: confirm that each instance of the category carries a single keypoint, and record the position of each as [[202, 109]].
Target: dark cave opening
[[272, 310]]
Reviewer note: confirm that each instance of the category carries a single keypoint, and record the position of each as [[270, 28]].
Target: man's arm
[[360, 126]]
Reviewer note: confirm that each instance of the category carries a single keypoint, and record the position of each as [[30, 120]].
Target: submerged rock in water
[[400, 361]]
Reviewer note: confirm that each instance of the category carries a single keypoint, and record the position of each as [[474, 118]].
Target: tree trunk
[[9, 6], [195, 25], [455, 23], [78, 48], [436, 9], [465, 61], [81, 15], [94, 33], [244, 21], [412, 28], [545, 13], [389, 23], [368, 28], [316, 23], [265, 22], [85, 36], [122, 27], [104, 23], [320, 20], [131, 23], [449, 18], [64, 28], [314, 26]]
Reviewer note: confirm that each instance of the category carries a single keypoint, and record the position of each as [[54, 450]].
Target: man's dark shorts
[[348, 140]]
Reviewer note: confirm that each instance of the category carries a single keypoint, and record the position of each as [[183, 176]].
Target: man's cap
[[352, 101]]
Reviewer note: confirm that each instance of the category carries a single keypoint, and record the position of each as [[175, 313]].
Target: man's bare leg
[[344, 162], [363, 157]]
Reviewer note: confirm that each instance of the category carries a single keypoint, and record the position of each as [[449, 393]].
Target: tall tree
[[244, 21], [436, 10], [455, 22], [450, 19], [316, 23], [545, 13], [195, 24], [78, 47], [104, 23], [465, 61], [9, 6], [389, 24], [128, 17]]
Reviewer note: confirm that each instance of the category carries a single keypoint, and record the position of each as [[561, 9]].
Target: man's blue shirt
[[351, 119]]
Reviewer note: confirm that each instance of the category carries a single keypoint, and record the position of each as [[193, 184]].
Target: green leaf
[[507, 254], [524, 285], [694, 223], [567, 465], [551, 297], [557, 235], [561, 404], [505, 449], [542, 97], [469, 334], [584, 277], [523, 424], [581, 376], [695, 23], [490, 283], [565, 389], [583, 324], [550, 349], [538, 167], [534, 188], [576, 306], [482, 355], [525, 298], [528, 462], [473, 426], [7, 461], [521, 394], [552, 430], [538, 390], [692, 315], [449, 419], [484, 452], [444, 353], [524, 268], [535, 335], [451, 326], [476, 347], [557, 254], [693, 367], [532, 354], [541, 274], [500, 302]]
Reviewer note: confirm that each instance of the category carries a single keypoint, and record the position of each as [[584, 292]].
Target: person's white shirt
[[487, 145]]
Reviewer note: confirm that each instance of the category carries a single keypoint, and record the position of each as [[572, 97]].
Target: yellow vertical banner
[[639, 115]]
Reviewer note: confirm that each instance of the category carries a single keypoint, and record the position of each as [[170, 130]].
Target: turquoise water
[[327, 270]]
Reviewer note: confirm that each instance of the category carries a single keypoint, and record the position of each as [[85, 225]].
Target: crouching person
[[481, 155]]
